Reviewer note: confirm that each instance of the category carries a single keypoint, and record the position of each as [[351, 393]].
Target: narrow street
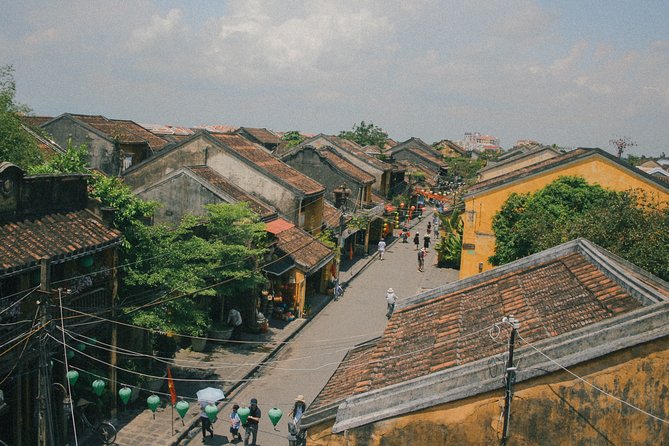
[[307, 362]]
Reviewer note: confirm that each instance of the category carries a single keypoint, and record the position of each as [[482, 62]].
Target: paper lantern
[[182, 408], [274, 415], [124, 393], [211, 410], [243, 413], [153, 402], [70, 354], [98, 387], [72, 377], [81, 346]]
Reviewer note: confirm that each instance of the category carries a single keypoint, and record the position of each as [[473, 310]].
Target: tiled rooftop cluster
[[53, 236], [461, 325]]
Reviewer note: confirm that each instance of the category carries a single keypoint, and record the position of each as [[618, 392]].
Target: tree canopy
[[365, 134], [631, 224], [16, 145]]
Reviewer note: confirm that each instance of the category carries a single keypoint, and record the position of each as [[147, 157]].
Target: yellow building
[[486, 198], [591, 359]]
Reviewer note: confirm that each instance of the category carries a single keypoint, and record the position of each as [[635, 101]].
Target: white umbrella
[[210, 395]]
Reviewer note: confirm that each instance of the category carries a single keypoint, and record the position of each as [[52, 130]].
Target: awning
[[280, 266]]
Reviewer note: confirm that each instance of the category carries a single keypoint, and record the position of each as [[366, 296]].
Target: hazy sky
[[572, 73]]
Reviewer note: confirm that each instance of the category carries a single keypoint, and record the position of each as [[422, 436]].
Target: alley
[[306, 363]]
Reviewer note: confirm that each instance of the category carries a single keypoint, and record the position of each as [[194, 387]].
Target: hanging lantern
[[70, 354], [81, 346], [243, 413], [274, 415], [124, 393], [93, 341], [72, 376], [153, 402], [98, 387], [182, 409], [211, 410]]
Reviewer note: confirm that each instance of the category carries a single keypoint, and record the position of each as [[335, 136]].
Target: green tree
[[630, 224], [16, 145], [449, 246], [292, 138], [366, 135], [209, 257], [463, 169], [74, 160]]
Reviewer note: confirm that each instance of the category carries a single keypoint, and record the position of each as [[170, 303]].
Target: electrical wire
[[630, 405], [67, 366], [18, 360], [20, 300]]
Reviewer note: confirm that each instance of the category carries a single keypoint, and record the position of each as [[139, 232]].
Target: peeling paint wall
[[555, 409]]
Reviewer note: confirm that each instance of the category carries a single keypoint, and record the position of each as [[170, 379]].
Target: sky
[[571, 73]]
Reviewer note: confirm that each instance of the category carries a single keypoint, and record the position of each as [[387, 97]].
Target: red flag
[[170, 385]]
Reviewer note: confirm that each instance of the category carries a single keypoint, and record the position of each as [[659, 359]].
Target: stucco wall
[[480, 210], [101, 151], [311, 164], [555, 409], [254, 181], [179, 195], [193, 153]]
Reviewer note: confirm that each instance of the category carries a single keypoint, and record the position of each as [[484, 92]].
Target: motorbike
[[296, 435]]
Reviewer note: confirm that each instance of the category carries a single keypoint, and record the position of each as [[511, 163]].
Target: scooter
[[296, 435]]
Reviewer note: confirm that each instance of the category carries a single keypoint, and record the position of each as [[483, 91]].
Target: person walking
[[235, 423], [426, 242], [381, 248], [391, 298], [251, 428], [205, 422], [421, 259], [296, 435], [235, 319], [416, 240]]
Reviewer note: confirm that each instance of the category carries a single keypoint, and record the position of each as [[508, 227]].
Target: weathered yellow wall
[[553, 410], [480, 210]]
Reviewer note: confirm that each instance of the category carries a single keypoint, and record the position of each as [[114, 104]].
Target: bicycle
[[338, 291], [105, 431]]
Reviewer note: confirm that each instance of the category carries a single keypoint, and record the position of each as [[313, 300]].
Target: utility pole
[[510, 378], [44, 400], [341, 200]]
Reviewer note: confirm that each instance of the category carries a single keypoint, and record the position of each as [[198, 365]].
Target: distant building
[[474, 141]]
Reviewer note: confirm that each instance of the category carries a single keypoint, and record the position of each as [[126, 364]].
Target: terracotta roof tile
[[219, 181], [345, 165], [358, 151], [305, 249], [263, 135], [260, 157], [559, 294], [24, 243], [125, 131]]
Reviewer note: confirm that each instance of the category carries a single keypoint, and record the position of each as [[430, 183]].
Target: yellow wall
[[553, 410], [480, 210]]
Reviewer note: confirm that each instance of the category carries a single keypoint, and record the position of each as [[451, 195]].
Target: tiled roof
[[36, 121], [263, 135], [330, 214], [125, 131], [426, 155], [345, 378], [306, 250], [551, 293], [217, 180], [359, 152], [56, 236], [345, 165], [260, 157], [277, 226], [567, 158]]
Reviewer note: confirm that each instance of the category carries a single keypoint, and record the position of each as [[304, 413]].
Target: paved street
[[307, 362]]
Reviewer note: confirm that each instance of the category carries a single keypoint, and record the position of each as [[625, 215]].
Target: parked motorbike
[[296, 435]]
